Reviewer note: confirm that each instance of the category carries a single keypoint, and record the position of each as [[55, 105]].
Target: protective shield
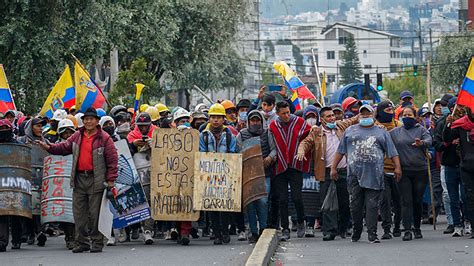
[[142, 161], [15, 180], [37, 160], [56, 196], [253, 173]]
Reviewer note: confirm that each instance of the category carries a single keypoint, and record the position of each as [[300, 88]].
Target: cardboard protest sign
[[56, 191], [130, 206], [218, 181], [172, 174]]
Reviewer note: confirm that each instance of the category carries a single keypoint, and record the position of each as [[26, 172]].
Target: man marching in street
[[324, 141], [365, 147], [288, 130], [95, 166], [218, 138]]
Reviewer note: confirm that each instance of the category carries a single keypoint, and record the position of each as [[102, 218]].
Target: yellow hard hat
[[153, 112], [162, 108], [217, 109], [143, 107]]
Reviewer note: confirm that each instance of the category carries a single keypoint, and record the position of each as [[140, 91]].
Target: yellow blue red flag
[[295, 101], [292, 81], [466, 95], [88, 93], [6, 98], [62, 95]]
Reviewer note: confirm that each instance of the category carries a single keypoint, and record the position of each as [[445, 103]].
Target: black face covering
[[6, 135], [110, 130], [256, 129], [198, 125]]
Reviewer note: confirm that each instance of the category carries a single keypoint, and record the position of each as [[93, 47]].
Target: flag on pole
[[139, 87], [292, 81], [295, 101], [88, 93], [6, 98], [466, 95], [63, 95], [323, 88]]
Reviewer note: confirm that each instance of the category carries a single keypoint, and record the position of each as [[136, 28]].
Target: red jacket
[[104, 155]]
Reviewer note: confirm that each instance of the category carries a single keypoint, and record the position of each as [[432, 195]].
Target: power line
[[355, 39]]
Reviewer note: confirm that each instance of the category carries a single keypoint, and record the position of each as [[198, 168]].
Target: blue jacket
[[211, 141]]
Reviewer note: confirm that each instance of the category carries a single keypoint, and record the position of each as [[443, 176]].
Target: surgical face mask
[[243, 116], [331, 125], [365, 122], [445, 110], [311, 121], [183, 126], [270, 113], [125, 127], [187, 124], [409, 122]]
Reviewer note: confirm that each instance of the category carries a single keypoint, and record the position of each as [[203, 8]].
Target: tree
[[451, 61], [350, 69], [406, 81]]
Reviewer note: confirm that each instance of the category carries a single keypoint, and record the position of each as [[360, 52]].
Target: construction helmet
[[180, 113], [78, 117], [153, 112], [348, 102], [143, 119], [65, 124], [202, 107], [162, 108], [217, 109], [73, 119], [59, 115], [117, 109], [100, 112], [143, 107], [228, 104]]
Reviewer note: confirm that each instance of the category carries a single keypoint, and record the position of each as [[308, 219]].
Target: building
[[379, 51]]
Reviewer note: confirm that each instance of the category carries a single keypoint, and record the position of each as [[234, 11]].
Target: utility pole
[[412, 52], [420, 40], [431, 45], [316, 69]]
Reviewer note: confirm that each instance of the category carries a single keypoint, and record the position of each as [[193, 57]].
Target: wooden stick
[[431, 192]]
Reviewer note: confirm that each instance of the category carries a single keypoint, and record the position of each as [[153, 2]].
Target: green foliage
[[350, 68], [451, 61], [406, 81], [124, 90]]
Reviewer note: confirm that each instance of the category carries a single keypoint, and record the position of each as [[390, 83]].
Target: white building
[[284, 52], [379, 52]]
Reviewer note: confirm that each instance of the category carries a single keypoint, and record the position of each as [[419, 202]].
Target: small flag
[[139, 87], [63, 95], [295, 101], [466, 95], [292, 81], [323, 88], [88, 94], [6, 98]]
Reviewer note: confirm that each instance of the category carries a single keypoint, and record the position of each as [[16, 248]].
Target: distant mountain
[[276, 8]]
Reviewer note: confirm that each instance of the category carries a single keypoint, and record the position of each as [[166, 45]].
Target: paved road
[[434, 249], [199, 252]]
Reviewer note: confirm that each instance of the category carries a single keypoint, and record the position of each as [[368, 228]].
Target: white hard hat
[[180, 113], [78, 117], [202, 107], [65, 124], [59, 115]]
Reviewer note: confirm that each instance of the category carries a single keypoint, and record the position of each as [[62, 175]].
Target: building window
[[394, 42], [331, 78], [368, 66], [365, 53], [342, 40], [394, 54], [331, 55]]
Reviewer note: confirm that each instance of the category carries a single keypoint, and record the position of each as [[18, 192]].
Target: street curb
[[264, 248]]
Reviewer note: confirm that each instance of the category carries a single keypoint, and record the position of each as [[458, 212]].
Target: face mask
[[385, 118], [409, 122], [183, 126], [267, 114], [365, 122], [109, 130], [331, 125], [6, 135], [187, 124], [198, 125], [311, 121], [125, 127], [256, 129], [445, 110], [243, 116]]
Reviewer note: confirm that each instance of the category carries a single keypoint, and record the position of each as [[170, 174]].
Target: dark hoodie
[[266, 139], [29, 137]]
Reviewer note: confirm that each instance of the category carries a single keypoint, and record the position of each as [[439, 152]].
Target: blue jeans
[[455, 189], [446, 202], [258, 208]]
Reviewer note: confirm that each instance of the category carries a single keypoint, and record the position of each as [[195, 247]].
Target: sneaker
[[458, 231], [185, 240], [329, 237], [386, 236], [80, 249], [16, 245], [355, 236], [194, 233], [218, 240], [111, 241], [31, 239], [309, 232], [226, 238], [449, 229], [122, 236], [300, 230], [408, 236], [174, 234], [96, 250], [147, 235], [397, 232], [417, 234], [467, 228], [135, 234], [242, 236], [374, 239], [41, 239], [253, 238], [285, 235]]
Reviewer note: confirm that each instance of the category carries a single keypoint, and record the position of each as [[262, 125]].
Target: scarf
[[466, 124], [137, 134], [287, 138]]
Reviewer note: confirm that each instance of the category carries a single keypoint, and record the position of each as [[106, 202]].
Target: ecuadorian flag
[[292, 81], [88, 94], [295, 101], [6, 99], [466, 95], [61, 96]]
